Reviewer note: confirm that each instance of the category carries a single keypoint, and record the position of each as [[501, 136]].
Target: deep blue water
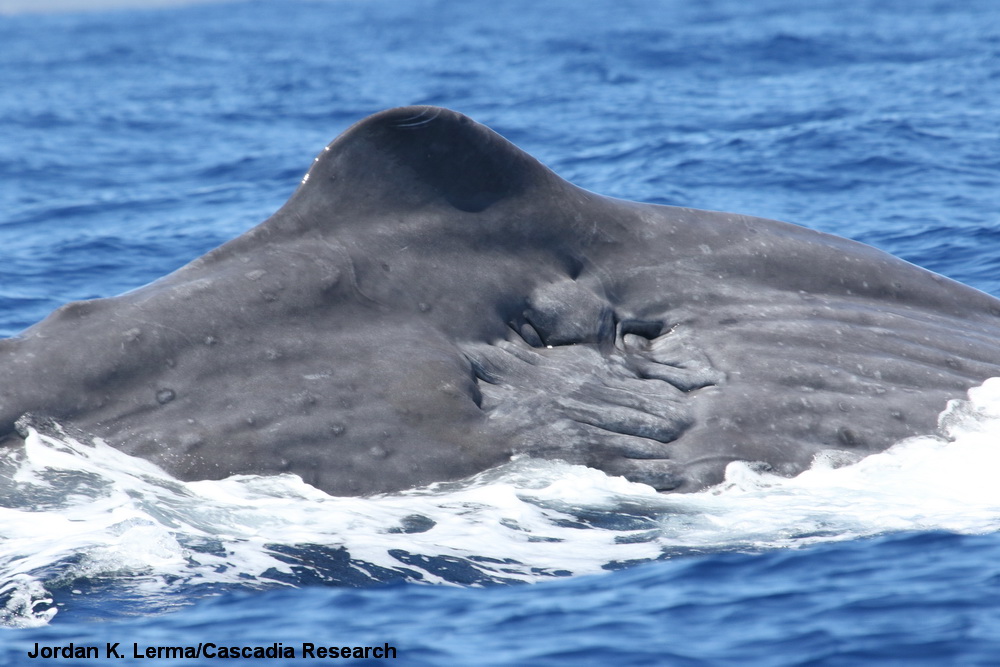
[[133, 141], [911, 599]]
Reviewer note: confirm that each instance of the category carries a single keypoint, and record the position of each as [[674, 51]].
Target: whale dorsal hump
[[416, 156]]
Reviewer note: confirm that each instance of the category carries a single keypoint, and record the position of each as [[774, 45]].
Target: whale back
[[432, 300]]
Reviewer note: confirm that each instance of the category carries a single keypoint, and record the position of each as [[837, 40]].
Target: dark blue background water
[[133, 141]]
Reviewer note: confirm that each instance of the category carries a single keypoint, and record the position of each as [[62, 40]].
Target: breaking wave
[[88, 531]]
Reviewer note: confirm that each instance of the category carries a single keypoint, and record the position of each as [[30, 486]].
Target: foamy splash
[[72, 511]]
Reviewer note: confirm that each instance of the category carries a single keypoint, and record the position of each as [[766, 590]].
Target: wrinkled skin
[[432, 300]]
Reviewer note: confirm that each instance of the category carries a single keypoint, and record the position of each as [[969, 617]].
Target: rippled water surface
[[132, 141]]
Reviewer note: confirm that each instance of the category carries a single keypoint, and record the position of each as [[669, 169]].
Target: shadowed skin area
[[432, 300]]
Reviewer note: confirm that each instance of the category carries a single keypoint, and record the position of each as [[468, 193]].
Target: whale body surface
[[432, 300]]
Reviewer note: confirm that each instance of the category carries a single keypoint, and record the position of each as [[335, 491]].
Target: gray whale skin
[[432, 300]]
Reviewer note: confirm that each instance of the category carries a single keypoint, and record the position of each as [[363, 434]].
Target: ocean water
[[134, 140]]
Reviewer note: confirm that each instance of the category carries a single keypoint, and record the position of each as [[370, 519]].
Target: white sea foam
[[73, 511]]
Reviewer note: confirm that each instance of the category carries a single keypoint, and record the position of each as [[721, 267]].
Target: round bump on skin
[[164, 396]]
